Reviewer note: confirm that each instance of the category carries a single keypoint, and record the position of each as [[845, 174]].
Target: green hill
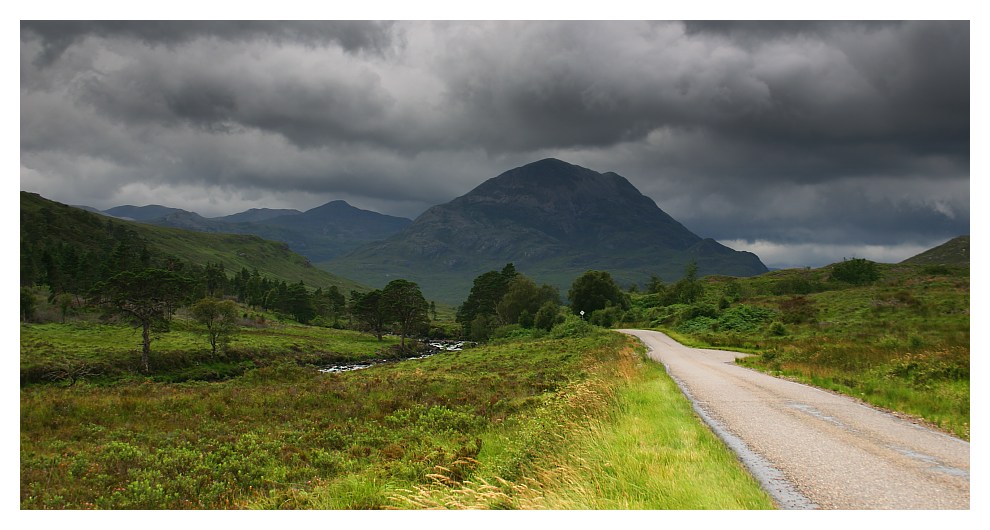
[[894, 335], [953, 252], [46, 224]]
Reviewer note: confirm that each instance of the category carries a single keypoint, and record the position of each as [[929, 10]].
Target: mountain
[[953, 252], [256, 215], [554, 221], [334, 228], [141, 213], [47, 224], [319, 234]]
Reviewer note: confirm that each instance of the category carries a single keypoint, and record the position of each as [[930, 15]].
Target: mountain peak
[[554, 220]]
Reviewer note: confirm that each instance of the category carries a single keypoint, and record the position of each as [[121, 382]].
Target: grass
[[900, 343], [489, 427], [108, 353], [624, 440]]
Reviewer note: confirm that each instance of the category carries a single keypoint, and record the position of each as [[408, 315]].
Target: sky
[[805, 142]]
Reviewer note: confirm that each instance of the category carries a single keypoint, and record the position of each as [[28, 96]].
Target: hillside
[[554, 221], [899, 339], [320, 234], [46, 223], [952, 252]]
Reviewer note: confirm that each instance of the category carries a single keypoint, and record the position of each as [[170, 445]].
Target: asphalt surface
[[812, 449]]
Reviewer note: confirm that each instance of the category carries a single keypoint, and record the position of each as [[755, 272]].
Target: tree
[[298, 303], [547, 316], [595, 290], [405, 306], [486, 292], [523, 296], [216, 279], [688, 289], [655, 285], [147, 297], [65, 305], [28, 303], [330, 304], [368, 309], [220, 319]]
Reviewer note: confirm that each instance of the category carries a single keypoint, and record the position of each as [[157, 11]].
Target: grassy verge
[[554, 423], [900, 343], [625, 439]]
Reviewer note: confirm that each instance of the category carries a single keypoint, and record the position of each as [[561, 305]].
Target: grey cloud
[[58, 35], [743, 130]]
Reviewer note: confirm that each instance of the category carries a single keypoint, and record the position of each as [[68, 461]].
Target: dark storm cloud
[[58, 35], [837, 132]]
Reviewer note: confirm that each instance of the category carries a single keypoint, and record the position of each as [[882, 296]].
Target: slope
[[952, 252], [320, 234], [46, 223], [554, 221]]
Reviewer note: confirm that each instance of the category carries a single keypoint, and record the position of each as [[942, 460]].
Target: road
[[812, 449]]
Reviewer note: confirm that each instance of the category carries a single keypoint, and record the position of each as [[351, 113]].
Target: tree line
[[117, 274]]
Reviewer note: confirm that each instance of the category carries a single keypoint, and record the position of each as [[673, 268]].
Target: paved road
[[813, 449]]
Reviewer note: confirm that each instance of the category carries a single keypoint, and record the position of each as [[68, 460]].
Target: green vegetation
[[85, 350], [485, 427], [895, 336], [224, 406], [595, 290], [954, 252], [501, 299], [220, 319], [62, 240]]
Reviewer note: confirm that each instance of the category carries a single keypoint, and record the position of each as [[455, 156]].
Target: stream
[[436, 346]]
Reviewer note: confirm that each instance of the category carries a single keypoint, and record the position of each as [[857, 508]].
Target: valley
[[233, 404]]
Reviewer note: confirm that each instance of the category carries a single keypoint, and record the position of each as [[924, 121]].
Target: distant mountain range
[[319, 234], [48, 225], [554, 221]]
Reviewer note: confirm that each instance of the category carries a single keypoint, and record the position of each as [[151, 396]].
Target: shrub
[[777, 329], [547, 317], [698, 325], [797, 309], [572, 326], [605, 317], [482, 327], [744, 318], [28, 304], [856, 271]]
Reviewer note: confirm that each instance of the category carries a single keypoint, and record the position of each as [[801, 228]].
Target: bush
[[606, 317], [28, 304], [547, 317], [698, 324], [777, 329], [572, 326], [797, 310], [482, 327], [744, 318], [856, 271]]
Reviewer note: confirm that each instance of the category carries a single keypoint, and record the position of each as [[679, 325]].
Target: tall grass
[[624, 440], [501, 426], [900, 343]]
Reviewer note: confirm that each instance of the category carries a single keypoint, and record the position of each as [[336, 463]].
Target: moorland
[[171, 376]]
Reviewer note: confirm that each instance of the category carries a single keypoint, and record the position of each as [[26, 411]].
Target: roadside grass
[[625, 440], [521, 424], [901, 343]]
